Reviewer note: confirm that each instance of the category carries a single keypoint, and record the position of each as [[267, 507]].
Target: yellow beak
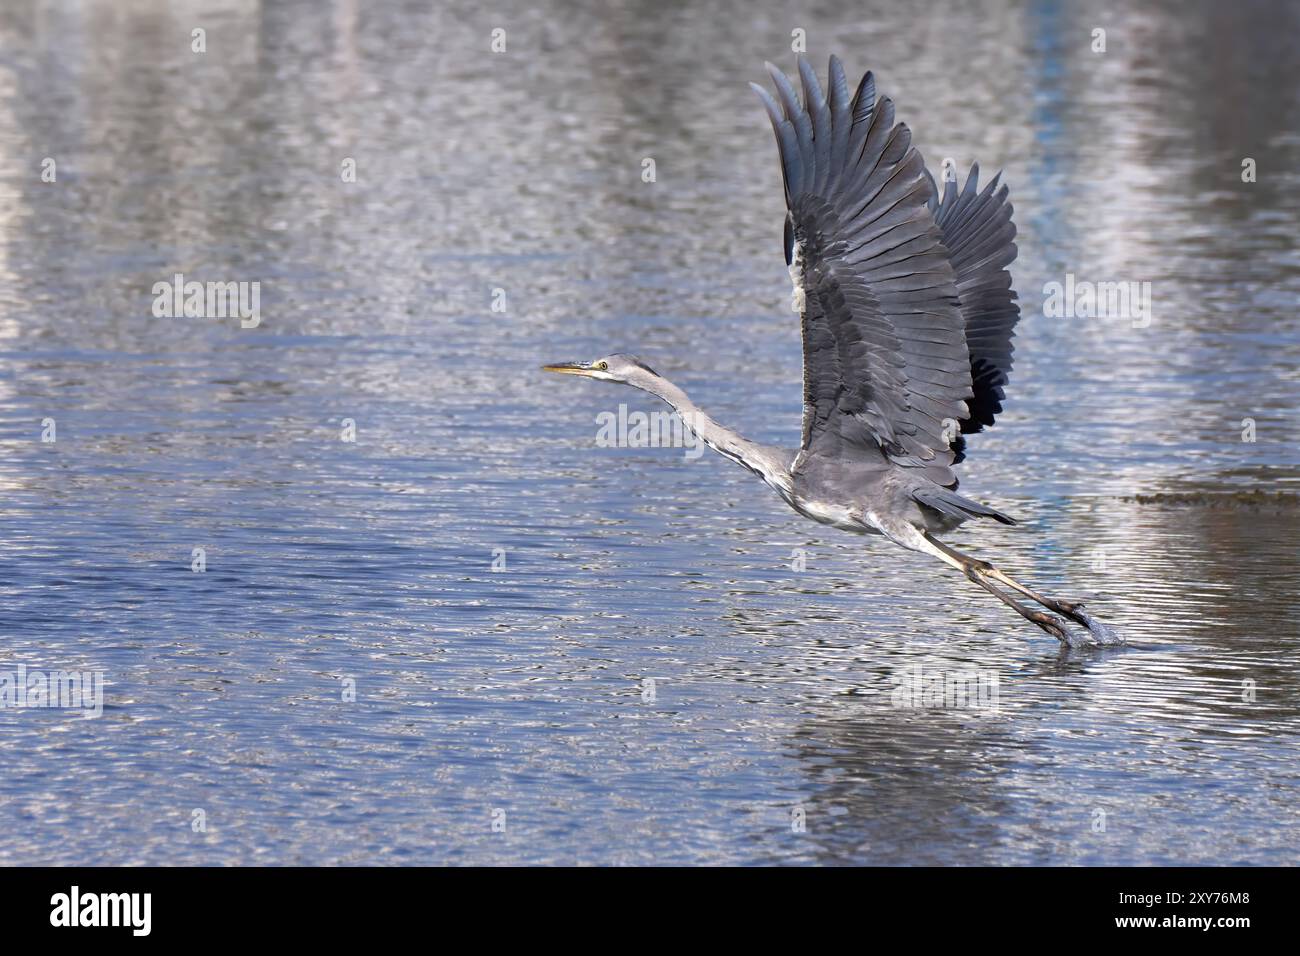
[[569, 368]]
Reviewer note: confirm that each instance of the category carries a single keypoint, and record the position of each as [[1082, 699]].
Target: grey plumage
[[907, 314]]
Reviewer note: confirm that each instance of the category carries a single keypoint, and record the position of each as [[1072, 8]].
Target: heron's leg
[[975, 571], [1070, 609], [1067, 608]]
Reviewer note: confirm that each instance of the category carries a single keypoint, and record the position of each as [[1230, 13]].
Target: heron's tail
[[953, 505]]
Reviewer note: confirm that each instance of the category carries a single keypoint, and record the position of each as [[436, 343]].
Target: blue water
[[506, 714]]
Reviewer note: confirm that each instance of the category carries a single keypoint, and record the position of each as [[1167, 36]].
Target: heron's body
[[886, 502], [907, 314]]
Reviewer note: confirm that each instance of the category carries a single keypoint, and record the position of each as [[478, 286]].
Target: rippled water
[[521, 695]]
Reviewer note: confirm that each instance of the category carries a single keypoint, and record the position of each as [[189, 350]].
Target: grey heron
[[907, 315]]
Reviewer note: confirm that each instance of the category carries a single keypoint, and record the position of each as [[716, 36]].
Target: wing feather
[[980, 237], [885, 355], [907, 307]]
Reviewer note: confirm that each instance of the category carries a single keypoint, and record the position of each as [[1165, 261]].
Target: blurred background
[[520, 695]]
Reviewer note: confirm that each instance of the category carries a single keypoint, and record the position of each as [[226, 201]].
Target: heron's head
[[626, 369]]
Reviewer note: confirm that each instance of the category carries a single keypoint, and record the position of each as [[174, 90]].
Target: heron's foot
[[1052, 626], [1102, 634], [1098, 633], [1095, 633]]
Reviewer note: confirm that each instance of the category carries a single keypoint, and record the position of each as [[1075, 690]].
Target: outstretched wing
[[885, 356], [980, 238]]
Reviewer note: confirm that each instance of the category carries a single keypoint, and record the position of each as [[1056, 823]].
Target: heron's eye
[[603, 366]]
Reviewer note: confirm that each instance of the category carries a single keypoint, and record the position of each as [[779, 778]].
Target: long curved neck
[[766, 461]]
